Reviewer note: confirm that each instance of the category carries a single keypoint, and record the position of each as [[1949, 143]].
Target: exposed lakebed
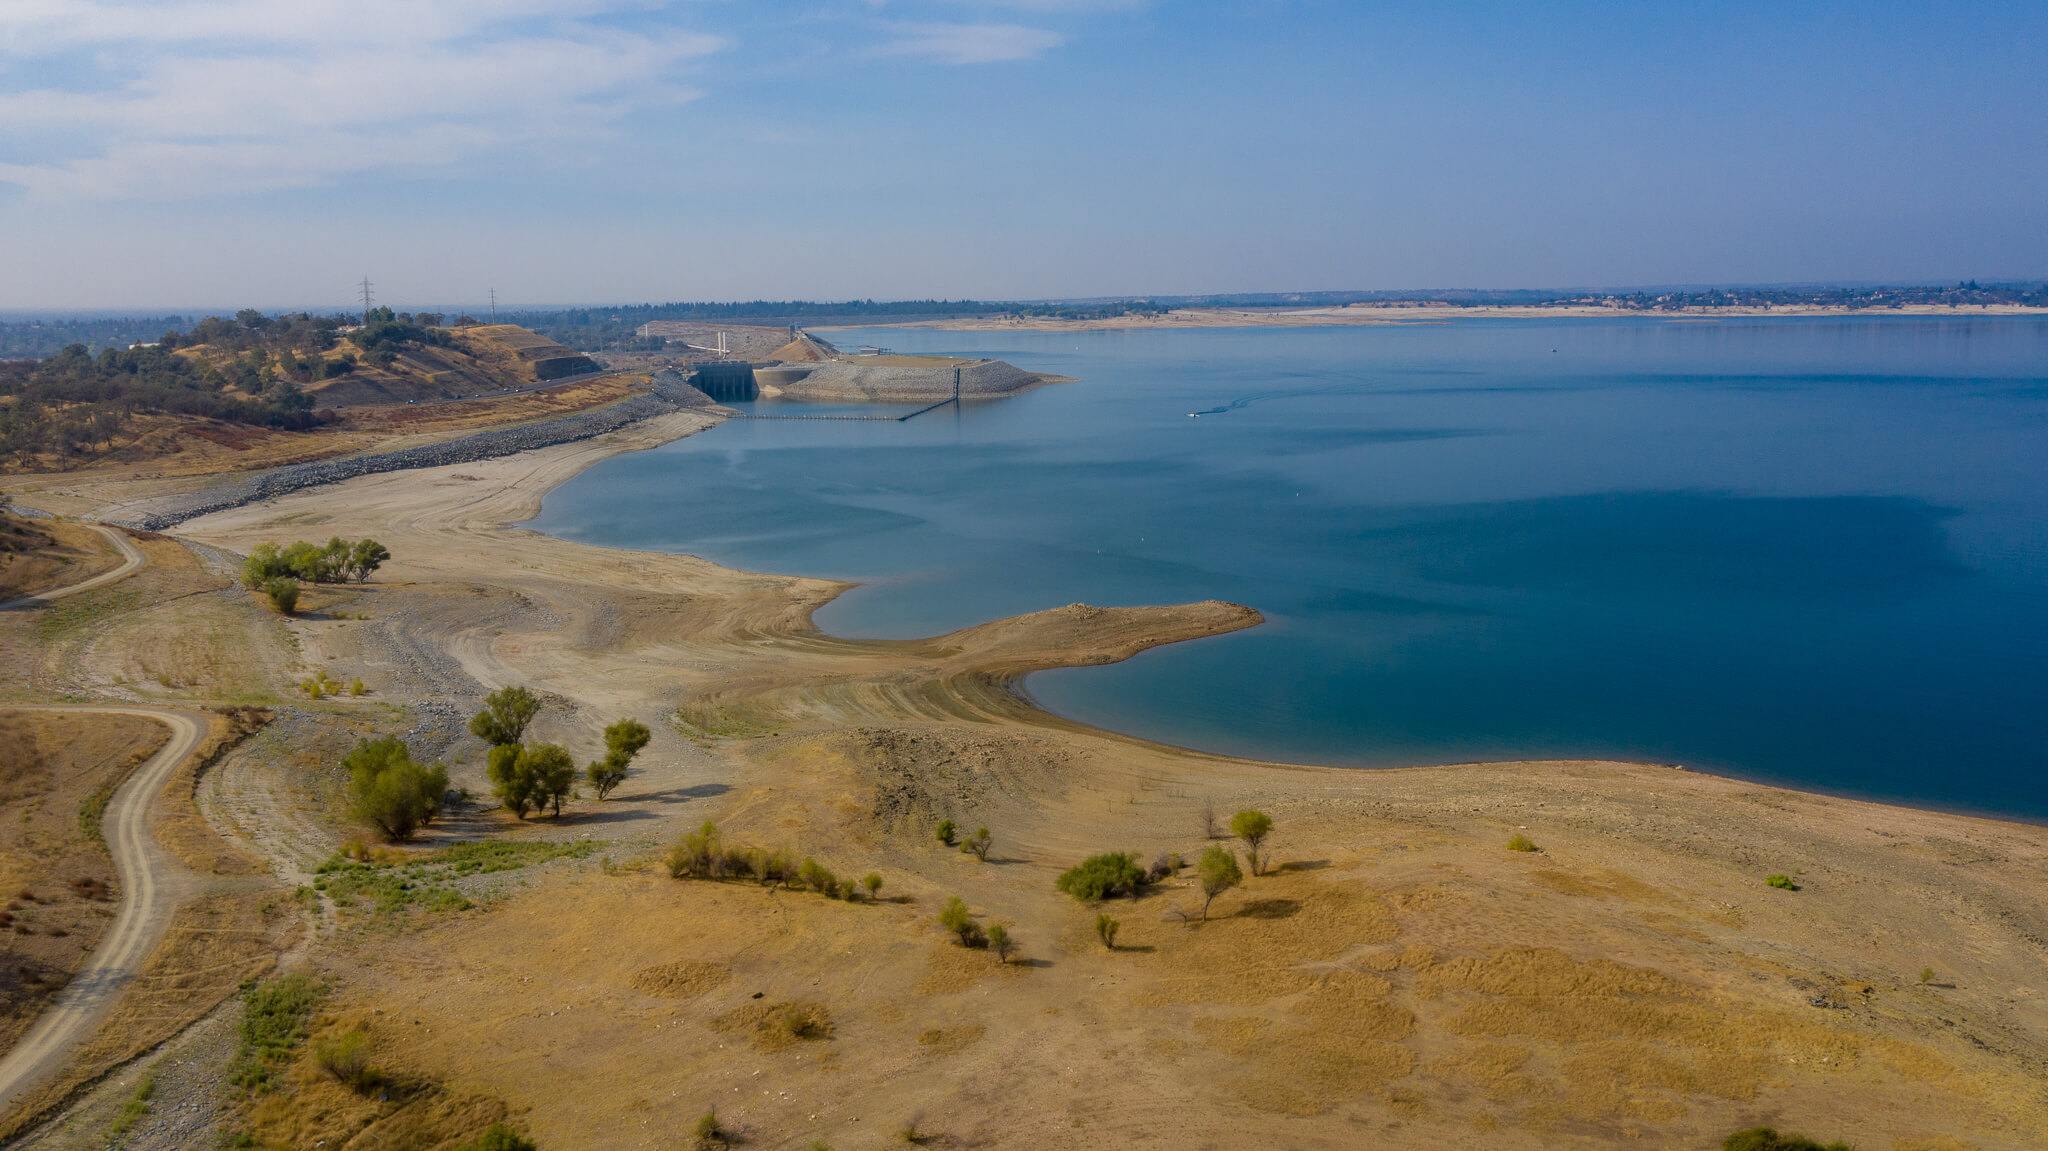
[[1807, 551]]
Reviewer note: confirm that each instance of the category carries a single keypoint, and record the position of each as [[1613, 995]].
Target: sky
[[213, 153]]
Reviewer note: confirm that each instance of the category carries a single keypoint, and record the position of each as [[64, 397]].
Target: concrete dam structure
[[865, 379], [896, 379]]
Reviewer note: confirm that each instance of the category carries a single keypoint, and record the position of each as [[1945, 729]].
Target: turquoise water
[[1805, 551]]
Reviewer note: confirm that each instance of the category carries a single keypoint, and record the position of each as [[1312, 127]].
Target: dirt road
[[131, 559], [146, 907]]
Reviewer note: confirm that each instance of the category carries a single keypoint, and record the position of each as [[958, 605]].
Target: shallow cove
[[1807, 551]]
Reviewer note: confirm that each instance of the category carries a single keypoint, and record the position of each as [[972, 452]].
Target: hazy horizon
[[594, 152]]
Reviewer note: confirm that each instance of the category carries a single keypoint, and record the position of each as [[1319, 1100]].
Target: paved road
[[146, 907], [131, 558]]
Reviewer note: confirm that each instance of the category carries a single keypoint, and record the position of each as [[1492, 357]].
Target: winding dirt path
[[146, 904], [146, 907], [131, 559]]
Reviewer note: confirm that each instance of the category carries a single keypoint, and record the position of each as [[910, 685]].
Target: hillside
[[267, 380]]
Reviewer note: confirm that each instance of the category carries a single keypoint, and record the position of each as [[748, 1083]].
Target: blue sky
[[196, 153]]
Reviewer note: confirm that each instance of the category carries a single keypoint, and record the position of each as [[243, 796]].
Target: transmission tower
[[494, 305], [366, 299]]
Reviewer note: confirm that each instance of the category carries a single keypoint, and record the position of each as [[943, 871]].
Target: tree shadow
[[613, 815], [1032, 963], [1300, 865], [1135, 948], [1269, 909], [677, 794]]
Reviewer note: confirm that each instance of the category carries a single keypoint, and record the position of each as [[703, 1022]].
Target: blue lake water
[[1806, 551]]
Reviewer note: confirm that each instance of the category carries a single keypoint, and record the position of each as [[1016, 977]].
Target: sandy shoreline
[[1400, 977]]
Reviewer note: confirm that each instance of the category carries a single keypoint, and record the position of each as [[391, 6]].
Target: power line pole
[[366, 299]]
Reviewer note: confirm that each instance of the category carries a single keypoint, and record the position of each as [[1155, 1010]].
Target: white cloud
[[192, 98], [971, 43]]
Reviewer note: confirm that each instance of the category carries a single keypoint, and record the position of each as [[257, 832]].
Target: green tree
[[506, 713], [1252, 826], [1218, 872], [622, 740], [554, 775], [284, 594], [389, 789], [365, 557], [999, 941], [945, 832], [511, 779], [1101, 876], [873, 882], [1105, 930], [955, 918]]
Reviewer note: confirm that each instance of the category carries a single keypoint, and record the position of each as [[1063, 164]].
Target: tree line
[[277, 571], [73, 401]]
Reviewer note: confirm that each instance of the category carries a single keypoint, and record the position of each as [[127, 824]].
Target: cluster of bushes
[[336, 561], [318, 686], [976, 845], [383, 333], [542, 776], [390, 790], [704, 854], [1117, 873], [956, 918]]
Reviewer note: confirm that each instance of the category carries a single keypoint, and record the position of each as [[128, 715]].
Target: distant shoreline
[[1349, 315]]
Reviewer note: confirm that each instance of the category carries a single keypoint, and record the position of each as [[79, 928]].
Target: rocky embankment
[[669, 394]]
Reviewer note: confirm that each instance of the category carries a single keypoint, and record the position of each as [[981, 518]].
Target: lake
[[1806, 551]]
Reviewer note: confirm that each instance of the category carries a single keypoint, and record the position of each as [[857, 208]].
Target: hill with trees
[[289, 372]]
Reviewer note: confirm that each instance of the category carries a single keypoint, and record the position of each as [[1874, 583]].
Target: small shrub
[[1520, 842], [347, 1058], [806, 1021], [709, 1133], [999, 941], [1101, 876], [135, 1107], [1927, 975], [912, 1130], [284, 595], [978, 844], [1105, 930], [1766, 1139], [955, 918], [275, 1018], [945, 832], [1783, 883], [1208, 819], [355, 686], [873, 882], [1163, 865]]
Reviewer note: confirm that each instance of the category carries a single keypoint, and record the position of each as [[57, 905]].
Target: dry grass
[[180, 826], [950, 1040], [56, 773], [681, 979], [36, 556], [950, 969], [770, 1026], [213, 944]]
